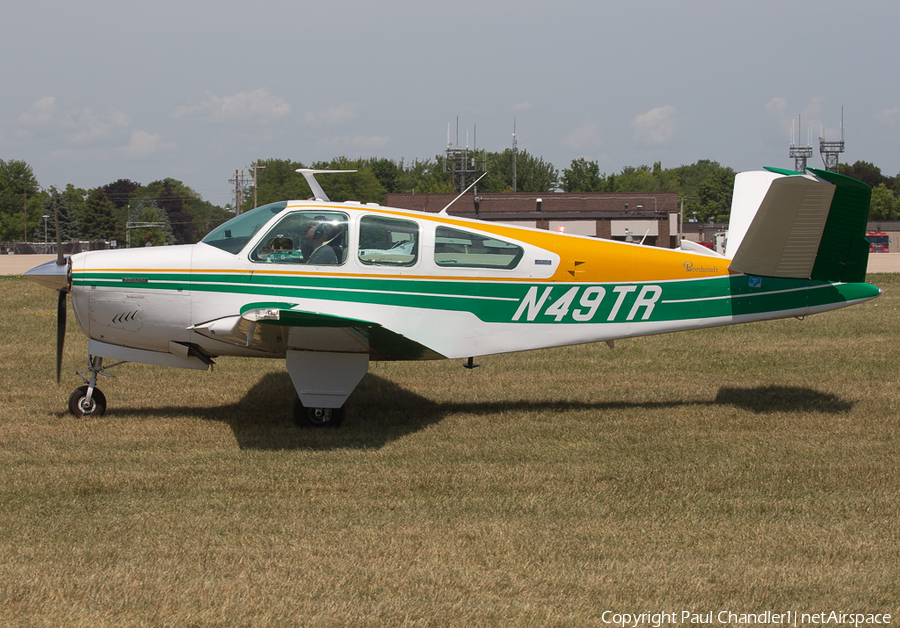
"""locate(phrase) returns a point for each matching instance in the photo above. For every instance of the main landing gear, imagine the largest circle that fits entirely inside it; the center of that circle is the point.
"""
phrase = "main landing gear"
(317, 417)
(89, 400)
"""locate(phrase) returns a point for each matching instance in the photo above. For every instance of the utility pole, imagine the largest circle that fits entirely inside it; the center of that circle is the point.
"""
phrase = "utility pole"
(515, 156)
(240, 181)
(256, 170)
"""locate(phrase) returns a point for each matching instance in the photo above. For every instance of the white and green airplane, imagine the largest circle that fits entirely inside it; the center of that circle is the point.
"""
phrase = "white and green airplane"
(330, 286)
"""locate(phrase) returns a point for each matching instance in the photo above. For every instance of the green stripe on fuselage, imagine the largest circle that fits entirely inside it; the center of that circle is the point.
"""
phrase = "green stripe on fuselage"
(522, 302)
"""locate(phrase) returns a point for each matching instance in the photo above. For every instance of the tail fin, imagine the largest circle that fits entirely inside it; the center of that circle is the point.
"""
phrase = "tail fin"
(844, 251)
(792, 225)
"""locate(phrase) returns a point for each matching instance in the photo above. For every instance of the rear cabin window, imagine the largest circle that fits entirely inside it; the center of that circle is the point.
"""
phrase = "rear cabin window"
(318, 238)
(462, 249)
(388, 241)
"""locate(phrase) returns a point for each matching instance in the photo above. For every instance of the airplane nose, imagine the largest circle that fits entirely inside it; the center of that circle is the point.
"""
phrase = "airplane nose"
(50, 275)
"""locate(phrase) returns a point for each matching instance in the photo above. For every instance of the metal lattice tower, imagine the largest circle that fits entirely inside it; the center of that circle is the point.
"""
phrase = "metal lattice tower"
(461, 162)
(831, 150)
(799, 152)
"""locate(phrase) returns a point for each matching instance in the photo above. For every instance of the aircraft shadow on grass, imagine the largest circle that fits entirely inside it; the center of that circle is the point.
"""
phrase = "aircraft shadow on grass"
(381, 412)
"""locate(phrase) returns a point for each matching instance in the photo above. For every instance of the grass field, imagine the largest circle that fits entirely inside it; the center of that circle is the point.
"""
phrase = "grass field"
(750, 468)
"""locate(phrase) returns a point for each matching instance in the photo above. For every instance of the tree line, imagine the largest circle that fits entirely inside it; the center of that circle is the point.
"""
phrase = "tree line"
(184, 217)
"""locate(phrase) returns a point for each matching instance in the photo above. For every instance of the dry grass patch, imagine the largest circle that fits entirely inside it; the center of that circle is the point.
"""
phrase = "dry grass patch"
(747, 468)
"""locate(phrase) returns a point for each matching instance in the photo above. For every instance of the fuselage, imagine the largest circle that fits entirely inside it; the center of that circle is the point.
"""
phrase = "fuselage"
(441, 286)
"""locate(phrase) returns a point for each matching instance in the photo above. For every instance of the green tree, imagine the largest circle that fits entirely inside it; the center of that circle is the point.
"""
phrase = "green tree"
(362, 185)
(583, 176)
(98, 218)
(868, 173)
(21, 201)
(189, 215)
(387, 172)
(278, 182)
(667, 180)
(633, 179)
(75, 199)
(532, 173)
(883, 205)
(713, 201)
(119, 192)
(60, 210)
(691, 176)
(424, 176)
(147, 210)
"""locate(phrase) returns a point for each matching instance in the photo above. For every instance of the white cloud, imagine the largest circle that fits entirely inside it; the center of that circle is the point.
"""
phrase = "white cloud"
(810, 119)
(89, 128)
(80, 126)
(41, 113)
(524, 106)
(889, 117)
(370, 143)
(143, 144)
(585, 137)
(657, 126)
(254, 108)
(333, 116)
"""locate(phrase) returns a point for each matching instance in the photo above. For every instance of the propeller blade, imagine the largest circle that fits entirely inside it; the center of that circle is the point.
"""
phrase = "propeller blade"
(60, 331)
(60, 260)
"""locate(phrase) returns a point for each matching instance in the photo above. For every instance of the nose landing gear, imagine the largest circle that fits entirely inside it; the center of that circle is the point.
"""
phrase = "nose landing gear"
(89, 400)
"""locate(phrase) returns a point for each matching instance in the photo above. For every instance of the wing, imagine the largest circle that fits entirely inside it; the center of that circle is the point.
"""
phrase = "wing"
(273, 328)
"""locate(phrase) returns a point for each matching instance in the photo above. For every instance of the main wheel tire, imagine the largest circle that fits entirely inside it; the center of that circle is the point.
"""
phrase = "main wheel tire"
(79, 408)
(317, 417)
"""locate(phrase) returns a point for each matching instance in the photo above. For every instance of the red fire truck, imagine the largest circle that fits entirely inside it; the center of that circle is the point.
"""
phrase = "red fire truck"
(879, 242)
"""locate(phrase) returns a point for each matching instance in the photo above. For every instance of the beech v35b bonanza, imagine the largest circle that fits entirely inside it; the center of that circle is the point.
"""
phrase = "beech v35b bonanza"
(329, 286)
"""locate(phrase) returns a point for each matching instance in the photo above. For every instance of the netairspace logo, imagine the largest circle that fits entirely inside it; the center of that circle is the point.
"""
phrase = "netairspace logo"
(730, 618)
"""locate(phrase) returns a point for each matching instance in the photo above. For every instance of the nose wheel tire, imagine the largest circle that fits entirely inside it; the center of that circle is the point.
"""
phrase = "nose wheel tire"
(317, 417)
(80, 406)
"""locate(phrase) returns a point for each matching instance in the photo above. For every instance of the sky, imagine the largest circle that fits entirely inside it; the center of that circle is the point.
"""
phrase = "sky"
(101, 90)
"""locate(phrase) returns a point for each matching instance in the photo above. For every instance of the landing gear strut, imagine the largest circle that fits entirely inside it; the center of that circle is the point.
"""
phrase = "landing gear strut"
(317, 417)
(89, 400)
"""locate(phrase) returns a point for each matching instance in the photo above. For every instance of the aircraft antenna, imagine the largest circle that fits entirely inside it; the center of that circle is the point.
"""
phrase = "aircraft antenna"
(310, 174)
(443, 212)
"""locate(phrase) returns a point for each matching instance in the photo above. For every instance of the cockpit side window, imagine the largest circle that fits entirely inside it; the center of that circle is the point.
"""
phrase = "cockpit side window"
(387, 241)
(313, 237)
(454, 248)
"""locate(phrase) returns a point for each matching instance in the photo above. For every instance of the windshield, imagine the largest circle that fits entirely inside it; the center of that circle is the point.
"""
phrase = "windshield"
(234, 235)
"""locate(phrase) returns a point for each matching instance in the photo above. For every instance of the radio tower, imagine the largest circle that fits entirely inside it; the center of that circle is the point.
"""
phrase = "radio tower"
(800, 152)
(831, 150)
(461, 162)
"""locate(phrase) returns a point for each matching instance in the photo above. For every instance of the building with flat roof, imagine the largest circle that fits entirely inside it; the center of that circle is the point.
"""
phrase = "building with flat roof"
(630, 216)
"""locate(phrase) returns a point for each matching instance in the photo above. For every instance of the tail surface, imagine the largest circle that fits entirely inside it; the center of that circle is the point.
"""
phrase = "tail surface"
(799, 226)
